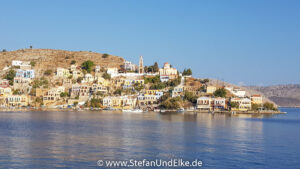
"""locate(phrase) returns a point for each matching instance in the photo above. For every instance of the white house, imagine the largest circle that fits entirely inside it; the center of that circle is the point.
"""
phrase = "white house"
(219, 103)
(244, 104)
(112, 71)
(129, 66)
(16, 63)
(167, 70)
(204, 103)
(236, 91)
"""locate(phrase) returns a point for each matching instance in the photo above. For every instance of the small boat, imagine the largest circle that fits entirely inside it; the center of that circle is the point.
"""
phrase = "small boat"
(181, 110)
(132, 110)
(110, 109)
(162, 110)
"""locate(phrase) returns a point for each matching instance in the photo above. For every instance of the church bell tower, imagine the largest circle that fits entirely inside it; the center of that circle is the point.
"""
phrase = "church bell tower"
(141, 65)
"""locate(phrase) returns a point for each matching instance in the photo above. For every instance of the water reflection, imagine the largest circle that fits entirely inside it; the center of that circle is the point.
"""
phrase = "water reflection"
(66, 139)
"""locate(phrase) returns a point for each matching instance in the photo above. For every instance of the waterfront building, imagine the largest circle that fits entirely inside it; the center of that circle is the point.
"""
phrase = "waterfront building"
(257, 99)
(17, 100)
(244, 104)
(53, 95)
(120, 102)
(149, 99)
(219, 103)
(204, 103)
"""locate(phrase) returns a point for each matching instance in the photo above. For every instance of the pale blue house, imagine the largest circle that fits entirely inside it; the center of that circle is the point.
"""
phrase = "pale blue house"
(25, 73)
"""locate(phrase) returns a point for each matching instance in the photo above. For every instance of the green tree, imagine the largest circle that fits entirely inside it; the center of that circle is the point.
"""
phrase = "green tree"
(171, 103)
(187, 72)
(99, 93)
(79, 79)
(255, 106)
(138, 87)
(269, 106)
(155, 79)
(64, 94)
(106, 76)
(16, 92)
(201, 89)
(10, 75)
(158, 86)
(220, 92)
(48, 72)
(155, 67)
(95, 102)
(190, 97)
(73, 62)
(32, 63)
(87, 65)
(118, 92)
(105, 55)
(30, 47)
(234, 104)
(204, 81)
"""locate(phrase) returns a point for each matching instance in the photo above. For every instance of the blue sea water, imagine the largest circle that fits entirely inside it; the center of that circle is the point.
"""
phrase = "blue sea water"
(80, 139)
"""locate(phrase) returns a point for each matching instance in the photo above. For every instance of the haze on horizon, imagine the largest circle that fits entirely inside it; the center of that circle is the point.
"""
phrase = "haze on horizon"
(242, 42)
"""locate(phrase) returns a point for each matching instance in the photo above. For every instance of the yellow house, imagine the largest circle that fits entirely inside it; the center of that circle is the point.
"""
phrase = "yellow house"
(5, 91)
(167, 70)
(118, 81)
(120, 102)
(17, 100)
(131, 82)
(102, 81)
(62, 72)
(211, 89)
(151, 92)
(244, 104)
(256, 99)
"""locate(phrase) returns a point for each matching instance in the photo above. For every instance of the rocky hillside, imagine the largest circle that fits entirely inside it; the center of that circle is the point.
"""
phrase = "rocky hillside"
(282, 95)
(51, 59)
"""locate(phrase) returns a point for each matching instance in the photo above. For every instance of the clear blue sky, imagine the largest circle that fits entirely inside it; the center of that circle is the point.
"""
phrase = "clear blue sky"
(242, 41)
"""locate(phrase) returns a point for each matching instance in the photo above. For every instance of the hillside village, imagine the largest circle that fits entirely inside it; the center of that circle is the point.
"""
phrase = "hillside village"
(85, 83)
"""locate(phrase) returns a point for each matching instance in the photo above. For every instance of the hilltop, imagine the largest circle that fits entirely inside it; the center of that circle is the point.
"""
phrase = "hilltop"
(52, 58)
(283, 95)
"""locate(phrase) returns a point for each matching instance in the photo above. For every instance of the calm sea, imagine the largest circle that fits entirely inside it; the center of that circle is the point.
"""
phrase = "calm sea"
(80, 139)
